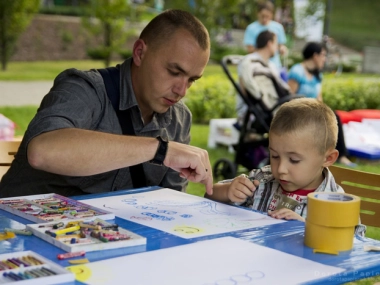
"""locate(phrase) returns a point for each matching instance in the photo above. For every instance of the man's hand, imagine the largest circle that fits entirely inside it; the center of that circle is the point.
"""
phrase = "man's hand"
(286, 214)
(191, 162)
(283, 50)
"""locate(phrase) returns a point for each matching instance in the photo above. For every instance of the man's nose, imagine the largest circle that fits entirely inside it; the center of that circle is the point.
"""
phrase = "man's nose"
(181, 87)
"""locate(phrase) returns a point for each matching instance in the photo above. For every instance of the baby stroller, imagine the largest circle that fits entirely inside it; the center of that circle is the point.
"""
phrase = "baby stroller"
(251, 150)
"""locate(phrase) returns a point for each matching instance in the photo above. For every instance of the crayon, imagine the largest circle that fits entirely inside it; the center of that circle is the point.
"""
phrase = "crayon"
(70, 255)
(59, 225)
(89, 226)
(19, 232)
(66, 230)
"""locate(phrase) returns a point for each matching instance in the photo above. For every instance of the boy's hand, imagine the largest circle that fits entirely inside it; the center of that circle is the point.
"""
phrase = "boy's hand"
(286, 214)
(241, 188)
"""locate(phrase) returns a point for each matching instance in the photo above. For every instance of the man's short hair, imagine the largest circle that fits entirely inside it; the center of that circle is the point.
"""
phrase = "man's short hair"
(162, 27)
(263, 38)
(307, 114)
(265, 5)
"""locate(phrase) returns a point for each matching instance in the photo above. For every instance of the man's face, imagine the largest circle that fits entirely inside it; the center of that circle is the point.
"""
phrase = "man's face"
(264, 17)
(273, 46)
(165, 73)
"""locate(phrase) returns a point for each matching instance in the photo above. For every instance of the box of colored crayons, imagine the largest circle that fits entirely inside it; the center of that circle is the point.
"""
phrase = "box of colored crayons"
(30, 268)
(52, 207)
(84, 235)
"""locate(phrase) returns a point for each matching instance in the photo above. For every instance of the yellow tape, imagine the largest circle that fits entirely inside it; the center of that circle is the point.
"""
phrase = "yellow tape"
(331, 220)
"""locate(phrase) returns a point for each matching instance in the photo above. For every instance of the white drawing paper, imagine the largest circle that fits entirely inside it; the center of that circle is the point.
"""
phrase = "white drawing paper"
(221, 261)
(181, 214)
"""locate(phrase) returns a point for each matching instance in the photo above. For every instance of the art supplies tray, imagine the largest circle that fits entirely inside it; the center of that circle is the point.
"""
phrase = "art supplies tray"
(87, 238)
(52, 207)
(35, 269)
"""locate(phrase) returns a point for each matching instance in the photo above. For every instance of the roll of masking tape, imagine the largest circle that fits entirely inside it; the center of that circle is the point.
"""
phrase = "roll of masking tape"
(331, 220)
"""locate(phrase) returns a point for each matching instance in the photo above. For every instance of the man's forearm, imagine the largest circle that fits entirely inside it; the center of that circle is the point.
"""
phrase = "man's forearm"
(76, 152)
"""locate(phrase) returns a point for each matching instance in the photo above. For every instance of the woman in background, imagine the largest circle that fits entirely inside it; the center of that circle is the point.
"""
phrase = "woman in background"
(305, 79)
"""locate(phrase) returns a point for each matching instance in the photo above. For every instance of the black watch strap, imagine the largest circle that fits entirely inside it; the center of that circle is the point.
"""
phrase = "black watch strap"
(161, 151)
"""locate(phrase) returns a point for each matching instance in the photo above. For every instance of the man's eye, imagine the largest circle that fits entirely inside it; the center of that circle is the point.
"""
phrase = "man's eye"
(174, 73)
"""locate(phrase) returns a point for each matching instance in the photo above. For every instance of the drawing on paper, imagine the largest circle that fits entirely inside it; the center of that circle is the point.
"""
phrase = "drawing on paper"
(181, 214)
(243, 279)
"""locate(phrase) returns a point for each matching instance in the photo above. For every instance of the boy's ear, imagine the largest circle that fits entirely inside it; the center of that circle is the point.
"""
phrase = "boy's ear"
(330, 157)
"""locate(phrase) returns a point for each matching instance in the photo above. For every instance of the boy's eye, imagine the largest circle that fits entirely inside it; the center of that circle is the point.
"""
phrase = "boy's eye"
(294, 161)
(274, 156)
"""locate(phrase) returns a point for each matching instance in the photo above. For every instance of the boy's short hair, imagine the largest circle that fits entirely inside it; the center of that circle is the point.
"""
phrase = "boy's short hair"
(311, 114)
(162, 27)
(263, 38)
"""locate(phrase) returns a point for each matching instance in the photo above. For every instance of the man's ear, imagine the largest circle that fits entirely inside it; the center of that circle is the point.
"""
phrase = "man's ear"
(139, 48)
(330, 157)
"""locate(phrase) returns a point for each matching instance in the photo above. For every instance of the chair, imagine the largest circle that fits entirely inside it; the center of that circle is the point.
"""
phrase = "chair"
(8, 150)
(365, 185)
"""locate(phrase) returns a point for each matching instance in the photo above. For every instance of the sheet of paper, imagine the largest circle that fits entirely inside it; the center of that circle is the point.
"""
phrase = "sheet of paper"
(222, 261)
(181, 214)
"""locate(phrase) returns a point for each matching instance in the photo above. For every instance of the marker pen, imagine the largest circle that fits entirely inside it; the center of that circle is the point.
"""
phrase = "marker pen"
(70, 254)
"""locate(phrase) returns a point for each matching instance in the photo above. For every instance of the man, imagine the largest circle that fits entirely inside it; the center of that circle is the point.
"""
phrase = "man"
(256, 72)
(265, 12)
(74, 145)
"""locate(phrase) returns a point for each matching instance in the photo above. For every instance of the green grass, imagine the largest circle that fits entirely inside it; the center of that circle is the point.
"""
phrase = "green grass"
(48, 70)
(355, 25)
(44, 70)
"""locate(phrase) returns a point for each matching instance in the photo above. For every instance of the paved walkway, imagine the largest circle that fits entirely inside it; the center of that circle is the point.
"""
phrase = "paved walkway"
(18, 93)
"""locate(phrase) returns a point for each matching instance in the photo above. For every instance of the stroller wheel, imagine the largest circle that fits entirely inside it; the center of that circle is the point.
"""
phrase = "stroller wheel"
(224, 168)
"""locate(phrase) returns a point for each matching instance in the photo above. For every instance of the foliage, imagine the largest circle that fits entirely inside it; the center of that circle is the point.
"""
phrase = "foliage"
(211, 98)
(351, 94)
(218, 51)
(212, 13)
(15, 16)
(107, 18)
(99, 53)
(64, 10)
(125, 53)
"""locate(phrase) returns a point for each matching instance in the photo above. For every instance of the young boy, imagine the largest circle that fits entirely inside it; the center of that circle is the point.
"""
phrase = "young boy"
(302, 140)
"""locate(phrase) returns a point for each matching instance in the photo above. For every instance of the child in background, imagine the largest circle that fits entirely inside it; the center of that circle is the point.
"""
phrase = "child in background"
(302, 140)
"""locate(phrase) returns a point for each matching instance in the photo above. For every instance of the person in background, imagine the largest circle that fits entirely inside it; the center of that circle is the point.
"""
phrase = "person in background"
(302, 139)
(75, 145)
(305, 79)
(259, 63)
(264, 22)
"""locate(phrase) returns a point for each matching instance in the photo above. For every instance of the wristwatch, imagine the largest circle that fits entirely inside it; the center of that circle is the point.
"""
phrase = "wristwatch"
(162, 149)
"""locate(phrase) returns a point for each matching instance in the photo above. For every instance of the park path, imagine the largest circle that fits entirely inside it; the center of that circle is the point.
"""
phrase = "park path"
(19, 93)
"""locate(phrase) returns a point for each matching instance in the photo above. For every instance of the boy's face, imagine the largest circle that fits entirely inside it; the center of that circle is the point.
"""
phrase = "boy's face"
(295, 160)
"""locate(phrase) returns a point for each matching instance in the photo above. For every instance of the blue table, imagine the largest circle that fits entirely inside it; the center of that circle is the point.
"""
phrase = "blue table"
(286, 237)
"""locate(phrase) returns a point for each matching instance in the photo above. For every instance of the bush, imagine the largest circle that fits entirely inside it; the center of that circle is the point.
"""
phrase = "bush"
(218, 51)
(351, 94)
(125, 53)
(65, 10)
(214, 96)
(211, 98)
(98, 53)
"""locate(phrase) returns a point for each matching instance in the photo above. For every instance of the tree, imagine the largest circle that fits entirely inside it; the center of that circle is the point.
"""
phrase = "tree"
(108, 18)
(15, 16)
